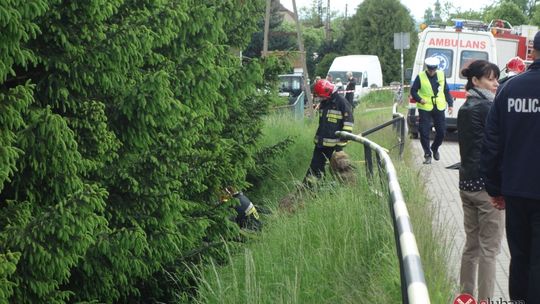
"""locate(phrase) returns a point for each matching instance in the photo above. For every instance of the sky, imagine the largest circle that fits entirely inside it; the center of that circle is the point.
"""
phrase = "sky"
(417, 7)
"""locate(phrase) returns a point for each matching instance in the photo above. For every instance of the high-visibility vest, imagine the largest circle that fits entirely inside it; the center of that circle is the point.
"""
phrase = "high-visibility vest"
(426, 92)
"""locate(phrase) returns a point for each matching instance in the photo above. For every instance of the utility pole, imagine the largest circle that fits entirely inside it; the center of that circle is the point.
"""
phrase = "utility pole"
(328, 38)
(266, 28)
(307, 88)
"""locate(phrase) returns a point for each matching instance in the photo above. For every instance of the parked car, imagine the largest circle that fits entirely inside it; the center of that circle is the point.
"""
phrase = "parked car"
(291, 86)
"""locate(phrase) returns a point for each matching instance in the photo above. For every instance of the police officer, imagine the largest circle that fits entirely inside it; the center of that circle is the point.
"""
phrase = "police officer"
(335, 114)
(511, 164)
(431, 93)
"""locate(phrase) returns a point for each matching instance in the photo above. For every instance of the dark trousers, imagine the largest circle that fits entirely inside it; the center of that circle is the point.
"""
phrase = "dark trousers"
(350, 97)
(424, 128)
(523, 234)
(318, 161)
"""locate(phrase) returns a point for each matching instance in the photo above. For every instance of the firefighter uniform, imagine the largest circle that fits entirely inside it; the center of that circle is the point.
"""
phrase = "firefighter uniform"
(247, 216)
(335, 114)
(510, 161)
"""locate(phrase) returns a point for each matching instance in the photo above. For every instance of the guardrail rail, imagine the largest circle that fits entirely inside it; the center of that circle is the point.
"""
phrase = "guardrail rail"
(413, 284)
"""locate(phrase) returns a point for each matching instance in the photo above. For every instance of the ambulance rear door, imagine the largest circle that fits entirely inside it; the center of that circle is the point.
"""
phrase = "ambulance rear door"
(456, 50)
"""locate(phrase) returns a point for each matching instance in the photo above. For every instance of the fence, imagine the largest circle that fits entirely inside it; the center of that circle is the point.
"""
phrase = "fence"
(413, 283)
(296, 108)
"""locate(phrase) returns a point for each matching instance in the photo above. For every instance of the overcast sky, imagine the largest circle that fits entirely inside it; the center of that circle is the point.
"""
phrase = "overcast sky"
(417, 7)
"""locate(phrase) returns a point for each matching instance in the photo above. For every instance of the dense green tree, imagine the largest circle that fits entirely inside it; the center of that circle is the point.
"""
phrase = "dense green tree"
(314, 15)
(535, 19)
(437, 12)
(372, 35)
(120, 121)
(280, 38)
(527, 7)
(428, 16)
(324, 64)
(468, 15)
(508, 11)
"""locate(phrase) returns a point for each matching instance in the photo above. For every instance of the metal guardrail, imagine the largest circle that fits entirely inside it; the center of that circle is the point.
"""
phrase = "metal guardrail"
(413, 283)
(398, 122)
(297, 108)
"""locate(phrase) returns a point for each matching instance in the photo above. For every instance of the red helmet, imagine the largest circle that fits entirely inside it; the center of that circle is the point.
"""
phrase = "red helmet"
(515, 65)
(323, 88)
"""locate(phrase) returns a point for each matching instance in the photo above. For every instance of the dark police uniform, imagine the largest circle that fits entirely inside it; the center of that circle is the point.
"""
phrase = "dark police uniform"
(335, 114)
(511, 164)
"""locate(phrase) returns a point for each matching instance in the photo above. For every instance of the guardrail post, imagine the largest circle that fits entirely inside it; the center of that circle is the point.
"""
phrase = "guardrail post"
(369, 161)
(299, 106)
(402, 132)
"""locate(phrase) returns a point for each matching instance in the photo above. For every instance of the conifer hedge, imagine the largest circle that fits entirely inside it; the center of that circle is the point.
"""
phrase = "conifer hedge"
(120, 120)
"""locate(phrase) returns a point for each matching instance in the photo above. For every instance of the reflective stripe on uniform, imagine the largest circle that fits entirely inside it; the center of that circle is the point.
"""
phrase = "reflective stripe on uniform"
(328, 142)
(252, 211)
(426, 92)
(336, 112)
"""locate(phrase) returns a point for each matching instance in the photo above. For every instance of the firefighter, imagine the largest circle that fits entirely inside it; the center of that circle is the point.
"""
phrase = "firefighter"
(247, 216)
(335, 114)
(431, 93)
(514, 66)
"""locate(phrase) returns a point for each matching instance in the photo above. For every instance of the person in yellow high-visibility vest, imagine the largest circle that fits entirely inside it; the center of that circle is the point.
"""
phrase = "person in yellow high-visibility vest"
(431, 93)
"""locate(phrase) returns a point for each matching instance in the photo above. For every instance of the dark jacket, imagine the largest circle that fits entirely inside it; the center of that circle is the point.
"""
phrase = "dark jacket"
(434, 86)
(471, 121)
(335, 114)
(351, 87)
(511, 152)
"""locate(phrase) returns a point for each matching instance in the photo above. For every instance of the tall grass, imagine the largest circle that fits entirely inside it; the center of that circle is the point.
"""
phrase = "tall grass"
(338, 248)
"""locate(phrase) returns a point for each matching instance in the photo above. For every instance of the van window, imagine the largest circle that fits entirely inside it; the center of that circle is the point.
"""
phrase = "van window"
(291, 84)
(365, 82)
(469, 56)
(446, 57)
(343, 76)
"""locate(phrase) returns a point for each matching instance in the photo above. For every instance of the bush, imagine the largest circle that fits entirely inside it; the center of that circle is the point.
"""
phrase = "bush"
(120, 121)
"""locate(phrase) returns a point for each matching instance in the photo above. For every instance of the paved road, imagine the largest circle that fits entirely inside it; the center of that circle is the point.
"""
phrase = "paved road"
(445, 198)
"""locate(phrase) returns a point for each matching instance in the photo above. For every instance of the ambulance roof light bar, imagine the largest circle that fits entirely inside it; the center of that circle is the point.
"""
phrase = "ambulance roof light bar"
(475, 25)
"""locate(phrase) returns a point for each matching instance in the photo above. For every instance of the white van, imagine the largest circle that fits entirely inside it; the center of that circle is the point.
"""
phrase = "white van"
(366, 70)
(455, 47)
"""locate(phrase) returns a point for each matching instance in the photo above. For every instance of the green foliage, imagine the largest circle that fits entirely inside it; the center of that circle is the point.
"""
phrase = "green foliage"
(527, 7)
(289, 261)
(508, 11)
(119, 122)
(468, 15)
(535, 19)
(324, 64)
(8, 265)
(373, 35)
(279, 38)
(265, 158)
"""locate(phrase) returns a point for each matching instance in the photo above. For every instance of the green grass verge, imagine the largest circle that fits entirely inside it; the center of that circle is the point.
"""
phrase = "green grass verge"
(338, 248)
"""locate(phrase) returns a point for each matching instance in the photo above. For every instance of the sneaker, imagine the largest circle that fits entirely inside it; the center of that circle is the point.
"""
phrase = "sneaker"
(436, 155)
(427, 159)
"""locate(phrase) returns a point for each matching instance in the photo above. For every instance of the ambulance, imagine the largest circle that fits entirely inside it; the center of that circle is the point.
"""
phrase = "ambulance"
(456, 47)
